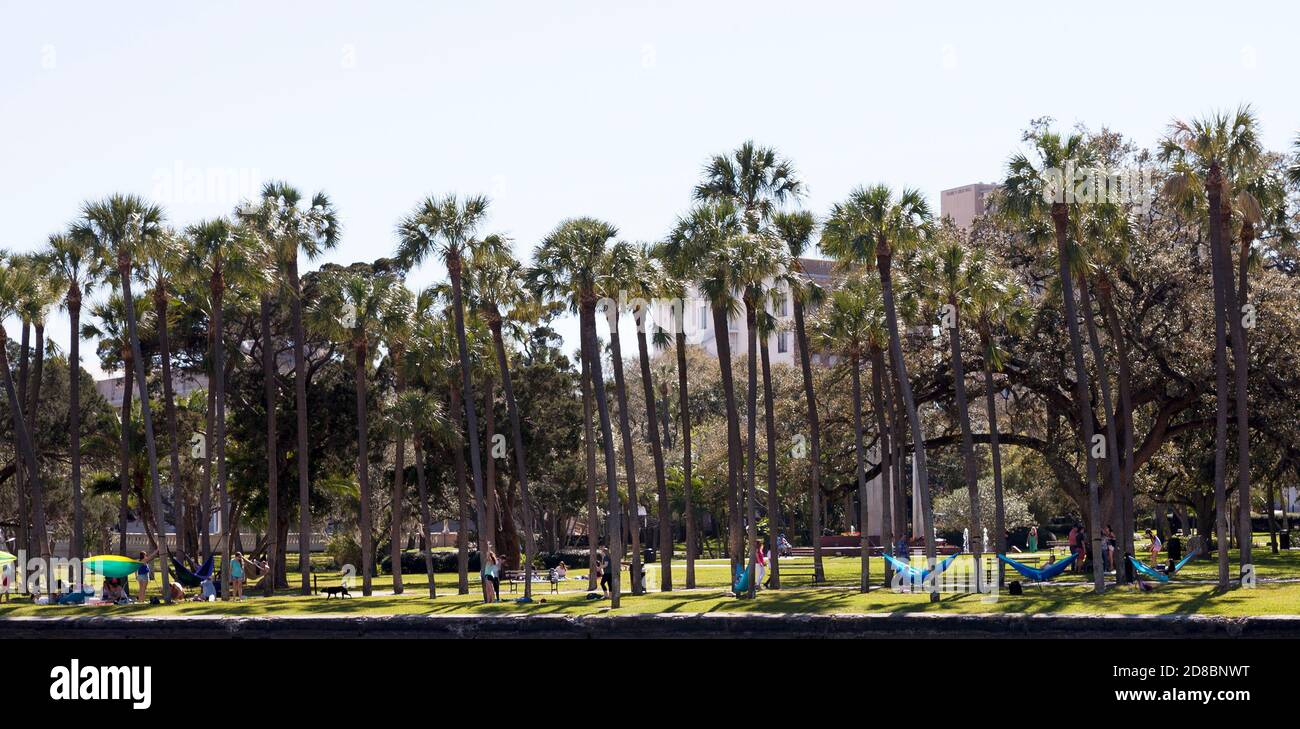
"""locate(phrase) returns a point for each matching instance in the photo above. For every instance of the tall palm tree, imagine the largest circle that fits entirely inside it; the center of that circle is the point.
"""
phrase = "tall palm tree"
(497, 282)
(675, 274)
(1216, 155)
(645, 285)
(944, 269)
(354, 309)
(568, 262)
(767, 328)
(72, 260)
(16, 286)
(763, 258)
(219, 254)
(796, 229)
(618, 268)
(293, 228)
(873, 226)
(34, 309)
(397, 338)
(851, 323)
(160, 262)
(445, 227)
(996, 301)
(710, 235)
(122, 224)
(1032, 195)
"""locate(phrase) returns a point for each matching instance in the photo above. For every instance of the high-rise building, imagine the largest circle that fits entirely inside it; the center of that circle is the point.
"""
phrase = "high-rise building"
(964, 204)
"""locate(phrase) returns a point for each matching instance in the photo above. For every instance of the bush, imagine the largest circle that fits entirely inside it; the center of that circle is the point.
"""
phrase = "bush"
(343, 548)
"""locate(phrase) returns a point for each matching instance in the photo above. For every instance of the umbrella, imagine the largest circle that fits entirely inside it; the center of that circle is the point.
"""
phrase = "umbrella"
(111, 565)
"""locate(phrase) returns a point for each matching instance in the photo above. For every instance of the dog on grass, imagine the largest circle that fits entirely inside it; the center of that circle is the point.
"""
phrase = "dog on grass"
(340, 592)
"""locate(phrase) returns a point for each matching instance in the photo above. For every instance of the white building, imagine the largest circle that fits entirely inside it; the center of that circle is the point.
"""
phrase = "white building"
(964, 204)
(112, 388)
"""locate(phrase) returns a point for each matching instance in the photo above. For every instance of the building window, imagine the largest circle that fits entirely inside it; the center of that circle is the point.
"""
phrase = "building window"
(782, 342)
(783, 307)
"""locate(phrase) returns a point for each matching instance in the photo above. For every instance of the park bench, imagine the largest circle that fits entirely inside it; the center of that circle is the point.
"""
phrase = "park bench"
(517, 577)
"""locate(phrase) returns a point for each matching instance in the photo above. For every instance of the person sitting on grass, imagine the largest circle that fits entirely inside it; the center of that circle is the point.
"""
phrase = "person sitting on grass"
(115, 592)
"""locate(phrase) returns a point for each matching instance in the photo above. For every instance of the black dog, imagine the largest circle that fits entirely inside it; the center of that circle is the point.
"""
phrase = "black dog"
(340, 592)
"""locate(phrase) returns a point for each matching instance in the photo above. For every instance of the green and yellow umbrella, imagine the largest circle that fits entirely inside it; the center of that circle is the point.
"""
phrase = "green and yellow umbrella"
(6, 557)
(111, 565)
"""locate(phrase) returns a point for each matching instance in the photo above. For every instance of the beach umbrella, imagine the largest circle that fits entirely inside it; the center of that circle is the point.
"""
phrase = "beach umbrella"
(111, 565)
(6, 557)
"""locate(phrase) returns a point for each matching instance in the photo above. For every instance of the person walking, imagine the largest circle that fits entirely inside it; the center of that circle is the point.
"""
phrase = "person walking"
(1033, 539)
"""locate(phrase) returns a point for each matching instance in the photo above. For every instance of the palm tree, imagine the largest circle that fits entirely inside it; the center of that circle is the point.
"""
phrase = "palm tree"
(796, 229)
(851, 323)
(762, 258)
(1216, 155)
(767, 327)
(618, 269)
(160, 262)
(497, 281)
(675, 273)
(445, 227)
(355, 307)
(72, 261)
(710, 236)
(944, 269)
(122, 224)
(995, 302)
(34, 309)
(292, 230)
(873, 226)
(16, 286)
(568, 262)
(397, 337)
(1032, 195)
(642, 289)
(217, 254)
(755, 180)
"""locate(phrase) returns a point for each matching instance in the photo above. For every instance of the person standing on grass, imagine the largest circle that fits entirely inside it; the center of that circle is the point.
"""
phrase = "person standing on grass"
(1155, 547)
(606, 571)
(760, 563)
(1033, 539)
(143, 574)
(491, 585)
(237, 576)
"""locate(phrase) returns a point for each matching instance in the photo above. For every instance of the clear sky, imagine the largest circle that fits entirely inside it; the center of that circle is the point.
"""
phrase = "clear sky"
(583, 108)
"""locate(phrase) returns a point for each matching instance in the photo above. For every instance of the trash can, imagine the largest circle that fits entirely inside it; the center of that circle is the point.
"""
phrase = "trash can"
(1284, 540)
(649, 555)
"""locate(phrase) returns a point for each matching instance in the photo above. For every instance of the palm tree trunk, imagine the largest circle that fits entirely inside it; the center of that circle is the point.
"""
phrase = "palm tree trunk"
(814, 436)
(657, 454)
(886, 458)
(591, 349)
(363, 466)
(20, 471)
(28, 454)
(684, 405)
(124, 478)
(151, 446)
(169, 412)
(471, 417)
(774, 521)
(462, 492)
(74, 419)
(272, 438)
(1103, 377)
(399, 482)
(219, 423)
(751, 441)
(426, 521)
(1235, 301)
(629, 456)
(969, 470)
(883, 264)
(589, 446)
(302, 456)
(995, 453)
(855, 367)
(205, 493)
(1214, 191)
(1061, 219)
(723, 342)
(521, 466)
(39, 527)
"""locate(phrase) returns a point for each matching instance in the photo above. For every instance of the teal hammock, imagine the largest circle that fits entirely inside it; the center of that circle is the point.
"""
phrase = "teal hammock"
(914, 575)
(1040, 575)
(1156, 574)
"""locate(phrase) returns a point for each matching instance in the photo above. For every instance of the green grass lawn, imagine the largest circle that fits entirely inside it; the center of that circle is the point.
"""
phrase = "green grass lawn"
(1182, 596)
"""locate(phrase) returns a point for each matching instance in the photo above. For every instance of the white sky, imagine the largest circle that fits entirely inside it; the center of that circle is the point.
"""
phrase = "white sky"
(583, 108)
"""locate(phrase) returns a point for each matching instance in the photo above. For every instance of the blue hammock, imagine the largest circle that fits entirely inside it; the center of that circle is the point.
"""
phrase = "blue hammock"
(914, 575)
(1156, 574)
(1040, 575)
(194, 578)
(742, 579)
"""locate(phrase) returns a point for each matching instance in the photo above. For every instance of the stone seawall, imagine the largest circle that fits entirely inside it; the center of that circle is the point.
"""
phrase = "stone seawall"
(712, 625)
